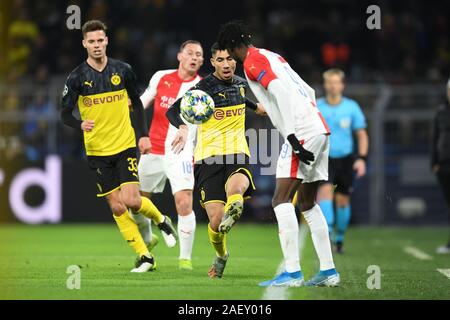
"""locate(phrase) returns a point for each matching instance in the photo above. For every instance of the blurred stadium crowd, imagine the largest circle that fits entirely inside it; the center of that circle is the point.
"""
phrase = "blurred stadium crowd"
(412, 46)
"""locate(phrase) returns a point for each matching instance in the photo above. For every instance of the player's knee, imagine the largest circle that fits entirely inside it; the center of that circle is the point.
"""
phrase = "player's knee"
(325, 192)
(133, 201)
(118, 208)
(215, 223)
(215, 217)
(306, 205)
(146, 194)
(342, 201)
(279, 199)
(183, 205)
(236, 189)
(183, 202)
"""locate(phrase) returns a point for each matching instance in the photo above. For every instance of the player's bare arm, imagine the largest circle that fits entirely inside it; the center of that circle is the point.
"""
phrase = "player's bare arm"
(363, 148)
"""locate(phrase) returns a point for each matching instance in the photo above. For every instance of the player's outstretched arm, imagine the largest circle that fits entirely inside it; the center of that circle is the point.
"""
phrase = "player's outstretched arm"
(257, 107)
(174, 114)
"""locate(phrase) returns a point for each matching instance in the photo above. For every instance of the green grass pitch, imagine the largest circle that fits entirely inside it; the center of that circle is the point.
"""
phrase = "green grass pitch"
(34, 260)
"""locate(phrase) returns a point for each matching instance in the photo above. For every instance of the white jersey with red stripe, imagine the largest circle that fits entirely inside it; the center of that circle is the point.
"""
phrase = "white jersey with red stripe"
(263, 66)
(164, 89)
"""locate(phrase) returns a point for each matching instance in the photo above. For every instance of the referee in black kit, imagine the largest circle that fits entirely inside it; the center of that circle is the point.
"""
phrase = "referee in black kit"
(440, 155)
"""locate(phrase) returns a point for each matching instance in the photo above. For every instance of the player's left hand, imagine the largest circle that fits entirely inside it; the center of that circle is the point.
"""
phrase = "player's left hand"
(360, 167)
(144, 145)
(260, 111)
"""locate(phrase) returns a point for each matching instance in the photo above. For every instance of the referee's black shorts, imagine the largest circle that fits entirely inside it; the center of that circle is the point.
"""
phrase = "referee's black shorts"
(340, 174)
(212, 175)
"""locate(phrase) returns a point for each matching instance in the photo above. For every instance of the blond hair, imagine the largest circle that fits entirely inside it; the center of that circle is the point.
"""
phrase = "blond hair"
(334, 71)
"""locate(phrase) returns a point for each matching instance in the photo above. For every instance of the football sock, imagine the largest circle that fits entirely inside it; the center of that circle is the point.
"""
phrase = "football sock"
(149, 210)
(218, 241)
(320, 237)
(288, 233)
(144, 225)
(186, 232)
(295, 199)
(130, 232)
(342, 221)
(233, 198)
(328, 212)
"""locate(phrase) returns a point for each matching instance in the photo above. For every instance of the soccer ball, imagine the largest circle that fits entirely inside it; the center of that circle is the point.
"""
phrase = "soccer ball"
(197, 106)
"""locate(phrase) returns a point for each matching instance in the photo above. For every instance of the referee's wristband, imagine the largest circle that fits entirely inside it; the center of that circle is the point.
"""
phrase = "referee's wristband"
(362, 158)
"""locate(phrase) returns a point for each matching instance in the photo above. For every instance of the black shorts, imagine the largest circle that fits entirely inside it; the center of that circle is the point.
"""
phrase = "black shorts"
(114, 171)
(340, 174)
(212, 175)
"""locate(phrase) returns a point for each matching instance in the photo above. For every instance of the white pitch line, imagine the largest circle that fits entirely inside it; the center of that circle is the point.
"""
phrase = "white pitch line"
(282, 293)
(445, 272)
(417, 253)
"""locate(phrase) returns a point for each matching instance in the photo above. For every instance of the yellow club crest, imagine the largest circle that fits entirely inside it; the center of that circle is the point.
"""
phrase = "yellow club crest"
(115, 79)
(242, 90)
(202, 192)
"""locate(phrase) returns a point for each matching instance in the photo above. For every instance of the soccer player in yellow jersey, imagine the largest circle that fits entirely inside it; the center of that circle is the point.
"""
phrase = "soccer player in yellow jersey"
(222, 169)
(100, 88)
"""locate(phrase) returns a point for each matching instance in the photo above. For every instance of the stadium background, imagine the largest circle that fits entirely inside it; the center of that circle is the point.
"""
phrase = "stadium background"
(398, 75)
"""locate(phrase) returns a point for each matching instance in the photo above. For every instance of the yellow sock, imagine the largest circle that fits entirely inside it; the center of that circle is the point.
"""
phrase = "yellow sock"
(233, 198)
(295, 199)
(218, 241)
(149, 210)
(130, 232)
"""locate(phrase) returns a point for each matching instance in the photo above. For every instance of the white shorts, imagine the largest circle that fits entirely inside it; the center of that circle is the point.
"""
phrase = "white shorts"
(289, 166)
(154, 170)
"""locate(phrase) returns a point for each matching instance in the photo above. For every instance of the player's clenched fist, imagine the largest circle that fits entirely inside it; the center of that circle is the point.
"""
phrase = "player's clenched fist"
(87, 125)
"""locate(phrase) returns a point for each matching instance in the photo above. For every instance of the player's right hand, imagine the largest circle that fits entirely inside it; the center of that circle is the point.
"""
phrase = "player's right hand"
(180, 139)
(302, 154)
(260, 111)
(144, 145)
(87, 125)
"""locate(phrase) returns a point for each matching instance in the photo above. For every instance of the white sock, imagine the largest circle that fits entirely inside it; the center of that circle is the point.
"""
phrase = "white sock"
(320, 236)
(186, 232)
(288, 232)
(144, 225)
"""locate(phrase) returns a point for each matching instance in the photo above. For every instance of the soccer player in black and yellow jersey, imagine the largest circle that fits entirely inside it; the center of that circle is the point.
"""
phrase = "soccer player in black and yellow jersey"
(222, 170)
(100, 88)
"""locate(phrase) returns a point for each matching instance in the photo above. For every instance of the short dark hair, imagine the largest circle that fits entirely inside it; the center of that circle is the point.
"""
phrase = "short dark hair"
(93, 25)
(184, 44)
(214, 48)
(233, 35)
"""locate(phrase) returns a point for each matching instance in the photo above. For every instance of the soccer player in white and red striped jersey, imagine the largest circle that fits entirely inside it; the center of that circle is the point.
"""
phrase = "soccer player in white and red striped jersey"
(303, 162)
(161, 163)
